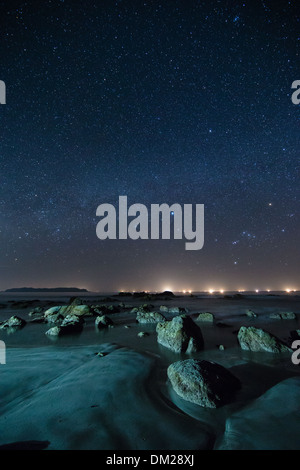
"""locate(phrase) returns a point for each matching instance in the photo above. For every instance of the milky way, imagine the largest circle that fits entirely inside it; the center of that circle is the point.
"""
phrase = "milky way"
(164, 102)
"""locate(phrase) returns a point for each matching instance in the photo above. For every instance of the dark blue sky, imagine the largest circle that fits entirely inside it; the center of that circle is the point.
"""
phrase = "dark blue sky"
(174, 101)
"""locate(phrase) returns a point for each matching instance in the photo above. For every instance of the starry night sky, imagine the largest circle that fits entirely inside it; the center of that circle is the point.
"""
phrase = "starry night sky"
(170, 101)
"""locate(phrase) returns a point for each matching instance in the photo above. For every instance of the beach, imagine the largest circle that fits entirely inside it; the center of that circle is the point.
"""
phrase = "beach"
(108, 388)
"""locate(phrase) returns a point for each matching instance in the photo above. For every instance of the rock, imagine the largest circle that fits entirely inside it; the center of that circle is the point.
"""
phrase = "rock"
(72, 309)
(149, 317)
(54, 331)
(181, 334)
(165, 309)
(256, 339)
(54, 318)
(270, 422)
(221, 347)
(52, 310)
(37, 319)
(78, 310)
(251, 314)
(275, 316)
(206, 317)
(70, 324)
(35, 311)
(283, 316)
(141, 334)
(103, 322)
(101, 354)
(288, 316)
(204, 383)
(13, 322)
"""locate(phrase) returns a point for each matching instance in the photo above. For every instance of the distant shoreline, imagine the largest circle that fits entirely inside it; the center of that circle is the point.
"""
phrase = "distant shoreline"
(46, 289)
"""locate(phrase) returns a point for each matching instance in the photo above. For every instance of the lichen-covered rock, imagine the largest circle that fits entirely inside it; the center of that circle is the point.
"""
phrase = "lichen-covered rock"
(79, 310)
(149, 317)
(204, 383)
(206, 317)
(72, 309)
(283, 316)
(103, 321)
(181, 334)
(13, 322)
(256, 339)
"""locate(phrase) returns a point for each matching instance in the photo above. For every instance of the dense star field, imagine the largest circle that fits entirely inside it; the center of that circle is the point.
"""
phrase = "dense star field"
(162, 102)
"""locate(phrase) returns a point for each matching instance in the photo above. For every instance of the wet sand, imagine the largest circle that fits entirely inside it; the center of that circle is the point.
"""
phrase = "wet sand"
(57, 394)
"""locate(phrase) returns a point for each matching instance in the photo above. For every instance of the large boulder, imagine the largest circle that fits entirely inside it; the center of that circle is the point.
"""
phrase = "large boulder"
(256, 339)
(13, 322)
(72, 309)
(149, 317)
(78, 310)
(204, 383)
(181, 334)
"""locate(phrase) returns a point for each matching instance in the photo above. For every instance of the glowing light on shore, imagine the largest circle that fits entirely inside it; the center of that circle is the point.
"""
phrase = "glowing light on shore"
(221, 291)
(211, 291)
(257, 291)
(288, 290)
(190, 291)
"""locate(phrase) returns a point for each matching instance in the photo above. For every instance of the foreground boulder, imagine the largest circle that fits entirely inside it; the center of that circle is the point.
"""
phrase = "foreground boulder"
(206, 317)
(149, 317)
(103, 321)
(258, 340)
(204, 383)
(181, 334)
(13, 322)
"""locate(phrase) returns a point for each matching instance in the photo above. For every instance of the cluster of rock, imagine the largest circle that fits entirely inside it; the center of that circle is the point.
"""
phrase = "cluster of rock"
(283, 316)
(180, 334)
